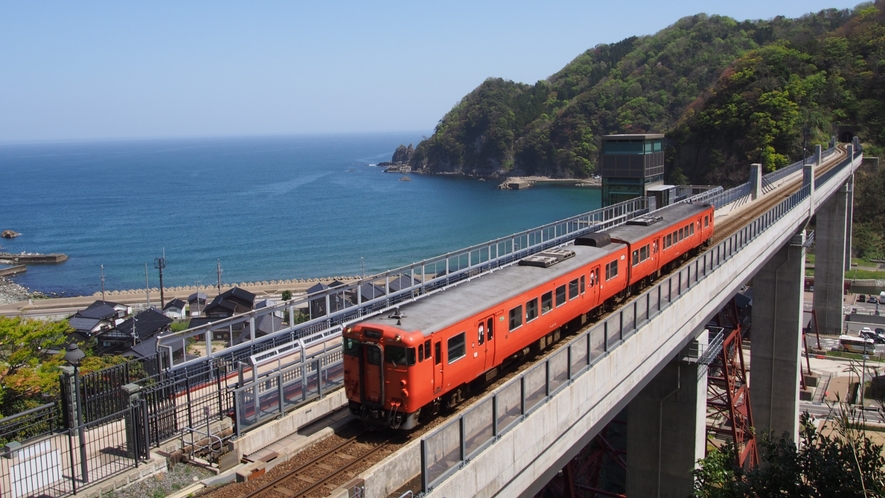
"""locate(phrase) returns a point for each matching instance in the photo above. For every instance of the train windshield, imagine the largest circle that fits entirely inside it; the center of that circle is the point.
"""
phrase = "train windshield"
(399, 356)
(352, 346)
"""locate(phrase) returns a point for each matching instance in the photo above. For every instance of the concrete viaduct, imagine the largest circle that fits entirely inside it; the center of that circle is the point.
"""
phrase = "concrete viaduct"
(666, 397)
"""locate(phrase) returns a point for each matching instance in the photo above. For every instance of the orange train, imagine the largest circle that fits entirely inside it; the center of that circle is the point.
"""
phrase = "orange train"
(429, 352)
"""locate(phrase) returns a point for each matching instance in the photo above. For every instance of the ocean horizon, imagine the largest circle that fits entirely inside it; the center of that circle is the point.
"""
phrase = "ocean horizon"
(267, 208)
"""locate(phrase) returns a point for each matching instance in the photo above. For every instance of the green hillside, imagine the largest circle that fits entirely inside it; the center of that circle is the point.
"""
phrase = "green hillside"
(726, 93)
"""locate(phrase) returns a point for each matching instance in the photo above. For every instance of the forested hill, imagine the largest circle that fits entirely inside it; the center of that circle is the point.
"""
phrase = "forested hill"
(727, 93)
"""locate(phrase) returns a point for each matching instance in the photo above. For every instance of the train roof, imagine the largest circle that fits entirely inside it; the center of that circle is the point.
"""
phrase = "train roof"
(467, 299)
(662, 218)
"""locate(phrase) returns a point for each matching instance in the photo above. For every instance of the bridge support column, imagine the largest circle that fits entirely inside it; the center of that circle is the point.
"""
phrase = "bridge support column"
(776, 340)
(831, 241)
(755, 180)
(666, 430)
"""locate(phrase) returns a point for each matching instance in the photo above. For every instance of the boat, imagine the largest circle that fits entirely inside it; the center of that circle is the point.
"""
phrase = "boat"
(405, 179)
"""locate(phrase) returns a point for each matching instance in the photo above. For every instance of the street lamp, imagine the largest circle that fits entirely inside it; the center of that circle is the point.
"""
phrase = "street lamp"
(74, 355)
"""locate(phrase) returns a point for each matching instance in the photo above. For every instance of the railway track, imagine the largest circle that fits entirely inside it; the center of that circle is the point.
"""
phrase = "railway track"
(334, 461)
(729, 224)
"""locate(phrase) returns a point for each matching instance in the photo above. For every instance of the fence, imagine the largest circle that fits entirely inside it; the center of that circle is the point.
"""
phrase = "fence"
(449, 448)
(61, 463)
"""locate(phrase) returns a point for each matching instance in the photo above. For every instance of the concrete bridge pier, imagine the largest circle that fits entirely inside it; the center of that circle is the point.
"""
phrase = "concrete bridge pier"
(832, 243)
(776, 340)
(666, 425)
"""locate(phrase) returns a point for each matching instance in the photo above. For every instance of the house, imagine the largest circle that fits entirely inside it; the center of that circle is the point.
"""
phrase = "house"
(197, 303)
(264, 324)
(175, 309)
(337, 300)
(96, 319)
(132, 331)
(366, 291)
(227, 304)
(402, 281)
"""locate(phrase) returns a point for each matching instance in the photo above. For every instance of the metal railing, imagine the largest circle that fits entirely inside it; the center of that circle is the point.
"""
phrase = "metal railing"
(450, 447)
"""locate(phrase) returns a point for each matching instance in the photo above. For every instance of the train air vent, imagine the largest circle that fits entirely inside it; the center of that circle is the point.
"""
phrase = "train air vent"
(645, 220)
(547, 258)
(599, 239)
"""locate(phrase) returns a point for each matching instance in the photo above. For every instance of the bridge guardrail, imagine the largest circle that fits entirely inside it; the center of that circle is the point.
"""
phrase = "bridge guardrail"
(448, 448)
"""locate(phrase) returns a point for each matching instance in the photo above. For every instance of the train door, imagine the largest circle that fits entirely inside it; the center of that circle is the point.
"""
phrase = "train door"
(593, 287)
(485, 331)
(373, 375)
(437, 367)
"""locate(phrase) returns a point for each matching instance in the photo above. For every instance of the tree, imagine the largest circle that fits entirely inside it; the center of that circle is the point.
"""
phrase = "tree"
(27, 374)
(843, 462)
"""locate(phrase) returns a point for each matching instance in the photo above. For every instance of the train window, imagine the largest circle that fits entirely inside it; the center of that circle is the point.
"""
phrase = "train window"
(399, 356)
(437, 350)
(691, 229)
(457, 347)
(516, 318)
(427, 349)
(531, 310)
(706, 221)
(635, 258)
(490, 325)
(373, 355)
(352, 346)
(643, 253)
(582, 284)
(573, 289)
(481, 333)
(675, 236)
(669, 241)
(420, 353)
(560, 295)
(611, 270)
(546, 302)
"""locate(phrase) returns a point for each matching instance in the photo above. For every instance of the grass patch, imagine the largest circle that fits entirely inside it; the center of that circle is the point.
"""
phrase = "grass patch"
(853, 356)
(865, 274)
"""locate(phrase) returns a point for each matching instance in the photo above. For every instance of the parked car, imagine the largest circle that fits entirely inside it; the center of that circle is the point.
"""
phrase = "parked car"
(880, 331)
(861, 298)
(868, 333)
(872, 300)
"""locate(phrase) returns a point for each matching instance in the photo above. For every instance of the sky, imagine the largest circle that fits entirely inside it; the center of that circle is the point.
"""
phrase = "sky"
(119, 70)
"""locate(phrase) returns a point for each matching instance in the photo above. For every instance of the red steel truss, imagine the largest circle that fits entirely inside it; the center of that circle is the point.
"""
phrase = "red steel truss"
(728, 396)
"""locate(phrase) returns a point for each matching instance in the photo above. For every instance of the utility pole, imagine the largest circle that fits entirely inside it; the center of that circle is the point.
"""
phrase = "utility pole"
(160, 263)
(147, 290)
(218, 269)
(102, 282)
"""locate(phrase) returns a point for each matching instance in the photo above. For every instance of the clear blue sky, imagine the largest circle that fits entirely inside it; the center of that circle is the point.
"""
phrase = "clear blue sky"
(86, 70)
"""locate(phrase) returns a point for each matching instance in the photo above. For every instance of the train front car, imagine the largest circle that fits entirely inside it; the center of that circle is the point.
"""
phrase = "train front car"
(381, 365)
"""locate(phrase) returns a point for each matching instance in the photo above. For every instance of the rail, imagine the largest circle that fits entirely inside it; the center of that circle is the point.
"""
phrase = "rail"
(449, 447)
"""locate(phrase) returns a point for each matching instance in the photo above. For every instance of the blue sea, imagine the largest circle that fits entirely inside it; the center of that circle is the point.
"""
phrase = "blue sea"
(267, 208)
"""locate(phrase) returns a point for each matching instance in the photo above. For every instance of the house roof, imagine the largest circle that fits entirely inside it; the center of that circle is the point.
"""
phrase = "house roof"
(235, 300)
(175, 303)
(197, 295)
(147, 324)
(148, 348)
(98, 309)
(367, 291)
(402, 282)
(83, 324)
(317, 288)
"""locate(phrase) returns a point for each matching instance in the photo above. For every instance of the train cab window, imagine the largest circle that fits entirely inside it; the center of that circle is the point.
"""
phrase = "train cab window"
(516, 318)
(560, 295)
(420, 353)
(635, 258)
(706, 221)
(594, 276)
(490, 327)
(546, 302)
(427, 349)
(573, 289)
(437, 351)
(481, 333)
(457, 347)
(582, 284)
(399, 356)
(611, 270)
(352, 346)
(531, 310)
(373, 355)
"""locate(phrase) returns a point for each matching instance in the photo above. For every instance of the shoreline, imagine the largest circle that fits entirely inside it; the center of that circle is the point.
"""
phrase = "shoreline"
(17, 300)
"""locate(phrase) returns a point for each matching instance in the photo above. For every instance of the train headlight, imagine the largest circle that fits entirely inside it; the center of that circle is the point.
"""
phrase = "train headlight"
(399, 338)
